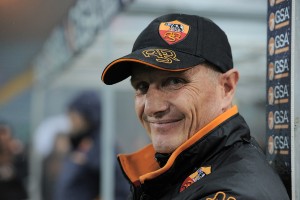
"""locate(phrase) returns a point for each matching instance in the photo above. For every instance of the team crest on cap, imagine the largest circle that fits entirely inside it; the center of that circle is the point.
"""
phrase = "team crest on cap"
(173, 32)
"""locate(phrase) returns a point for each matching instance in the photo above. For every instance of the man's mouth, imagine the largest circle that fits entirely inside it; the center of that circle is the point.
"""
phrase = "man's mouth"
(164, 125)
(165, 121)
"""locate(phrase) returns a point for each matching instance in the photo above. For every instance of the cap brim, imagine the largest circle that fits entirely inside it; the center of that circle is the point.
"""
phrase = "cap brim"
(163, 59)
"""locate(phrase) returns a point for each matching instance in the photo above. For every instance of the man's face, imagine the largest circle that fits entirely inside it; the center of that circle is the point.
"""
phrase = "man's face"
(173, 106)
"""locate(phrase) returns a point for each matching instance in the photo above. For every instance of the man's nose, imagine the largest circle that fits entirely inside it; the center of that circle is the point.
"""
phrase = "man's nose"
(156, 104)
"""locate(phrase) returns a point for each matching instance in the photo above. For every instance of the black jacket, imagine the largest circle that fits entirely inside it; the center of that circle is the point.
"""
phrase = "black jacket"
(221, 161)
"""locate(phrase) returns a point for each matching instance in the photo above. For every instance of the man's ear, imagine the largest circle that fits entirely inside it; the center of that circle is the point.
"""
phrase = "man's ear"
(229, 82)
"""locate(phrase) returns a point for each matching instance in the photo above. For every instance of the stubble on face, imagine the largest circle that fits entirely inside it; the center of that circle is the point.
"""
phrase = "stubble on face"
(175, 105)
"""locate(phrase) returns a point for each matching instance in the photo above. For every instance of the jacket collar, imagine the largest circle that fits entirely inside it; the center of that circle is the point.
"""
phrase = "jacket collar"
(141, 166)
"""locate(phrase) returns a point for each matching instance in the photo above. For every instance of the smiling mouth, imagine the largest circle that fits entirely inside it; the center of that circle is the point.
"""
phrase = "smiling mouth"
(164, 126)
(169, 121)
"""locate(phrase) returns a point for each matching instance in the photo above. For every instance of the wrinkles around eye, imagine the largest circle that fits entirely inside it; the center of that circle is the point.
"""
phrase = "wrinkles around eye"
(174, 83)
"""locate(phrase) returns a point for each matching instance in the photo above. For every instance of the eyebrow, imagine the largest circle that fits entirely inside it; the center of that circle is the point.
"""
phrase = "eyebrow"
(183, 74)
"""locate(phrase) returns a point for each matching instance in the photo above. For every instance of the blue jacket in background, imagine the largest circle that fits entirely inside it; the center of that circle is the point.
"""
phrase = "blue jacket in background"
(80, 175)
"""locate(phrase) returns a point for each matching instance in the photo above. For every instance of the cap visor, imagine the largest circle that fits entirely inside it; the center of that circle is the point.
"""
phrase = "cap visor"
(163, 59)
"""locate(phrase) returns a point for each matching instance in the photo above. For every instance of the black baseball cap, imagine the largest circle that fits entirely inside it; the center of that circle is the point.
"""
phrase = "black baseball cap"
(174, 42)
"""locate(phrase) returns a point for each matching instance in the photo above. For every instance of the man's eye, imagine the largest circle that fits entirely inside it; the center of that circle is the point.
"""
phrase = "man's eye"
(174, 82)
(142, 87)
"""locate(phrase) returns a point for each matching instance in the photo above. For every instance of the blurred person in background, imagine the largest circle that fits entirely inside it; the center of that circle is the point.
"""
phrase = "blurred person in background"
(13, 166)
(47, 131)
(51, 145)
(80, 176)
(52, 165)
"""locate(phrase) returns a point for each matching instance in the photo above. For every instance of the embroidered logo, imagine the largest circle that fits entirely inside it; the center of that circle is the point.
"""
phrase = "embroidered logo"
(221, 196)
(162, 55)
(194, 177)
(173, 32)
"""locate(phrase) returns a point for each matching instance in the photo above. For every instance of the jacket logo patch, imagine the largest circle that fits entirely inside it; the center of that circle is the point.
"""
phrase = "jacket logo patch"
(194, 177)
(173, 32)
(221, 196)
(161, 55)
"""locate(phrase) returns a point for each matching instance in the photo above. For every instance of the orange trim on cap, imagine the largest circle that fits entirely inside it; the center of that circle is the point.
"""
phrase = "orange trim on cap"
(142, 164)
(141, 62)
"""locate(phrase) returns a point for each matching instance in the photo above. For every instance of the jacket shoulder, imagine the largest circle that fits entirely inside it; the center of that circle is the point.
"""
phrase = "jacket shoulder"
(240, 172)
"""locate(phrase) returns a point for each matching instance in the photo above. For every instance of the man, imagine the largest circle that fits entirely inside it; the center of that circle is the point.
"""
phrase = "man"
(13, 165)
(80, 175)
(182, 71)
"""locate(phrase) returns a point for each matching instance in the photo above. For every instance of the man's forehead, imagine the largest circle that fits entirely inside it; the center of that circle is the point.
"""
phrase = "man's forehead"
(140, 71)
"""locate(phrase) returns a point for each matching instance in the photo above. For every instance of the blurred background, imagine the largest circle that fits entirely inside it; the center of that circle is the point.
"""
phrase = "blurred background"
(51, 52)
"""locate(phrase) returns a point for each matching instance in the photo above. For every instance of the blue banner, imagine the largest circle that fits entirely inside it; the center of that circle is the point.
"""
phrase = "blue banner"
(278, 92)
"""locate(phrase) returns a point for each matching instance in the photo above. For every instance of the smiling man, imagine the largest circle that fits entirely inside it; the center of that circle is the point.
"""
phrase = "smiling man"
(168, 103)
(182, 71)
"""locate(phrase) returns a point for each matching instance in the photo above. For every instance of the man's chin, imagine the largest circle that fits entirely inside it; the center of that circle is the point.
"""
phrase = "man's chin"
(169, 141)
(165, 147)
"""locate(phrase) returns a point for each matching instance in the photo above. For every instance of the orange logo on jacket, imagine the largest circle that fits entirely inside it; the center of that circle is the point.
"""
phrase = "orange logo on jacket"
(221, 196)
(173, 32)
(194, 177)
